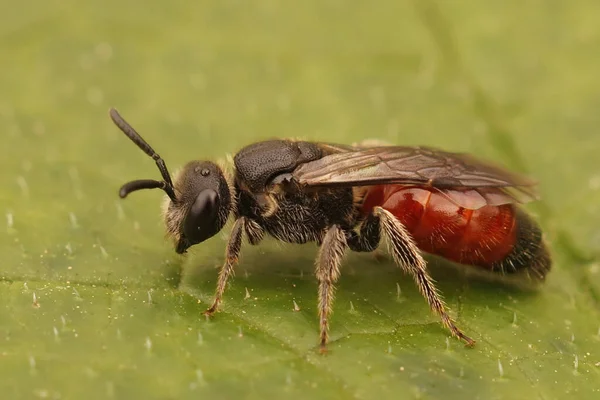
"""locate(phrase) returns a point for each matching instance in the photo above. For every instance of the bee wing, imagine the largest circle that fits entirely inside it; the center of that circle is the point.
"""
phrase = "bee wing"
(465, 180)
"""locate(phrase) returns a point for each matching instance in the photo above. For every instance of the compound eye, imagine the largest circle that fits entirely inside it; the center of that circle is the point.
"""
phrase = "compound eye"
(201, 221)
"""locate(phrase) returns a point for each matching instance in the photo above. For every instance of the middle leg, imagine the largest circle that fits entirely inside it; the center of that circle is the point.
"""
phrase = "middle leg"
(328, 265)
(254, 233)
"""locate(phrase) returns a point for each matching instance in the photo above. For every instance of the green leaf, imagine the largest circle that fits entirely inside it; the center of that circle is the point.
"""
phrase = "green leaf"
(94, 302)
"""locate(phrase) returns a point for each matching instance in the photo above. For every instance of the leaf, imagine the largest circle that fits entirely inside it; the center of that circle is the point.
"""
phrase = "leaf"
(94, 302)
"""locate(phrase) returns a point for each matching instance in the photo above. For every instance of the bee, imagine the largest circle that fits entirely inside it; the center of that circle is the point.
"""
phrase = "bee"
(352, 197)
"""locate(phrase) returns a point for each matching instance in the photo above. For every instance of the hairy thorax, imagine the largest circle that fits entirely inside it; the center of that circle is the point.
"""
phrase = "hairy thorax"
(299, 217)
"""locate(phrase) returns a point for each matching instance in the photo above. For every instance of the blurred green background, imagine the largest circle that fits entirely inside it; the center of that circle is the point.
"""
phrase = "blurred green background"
(93, 301)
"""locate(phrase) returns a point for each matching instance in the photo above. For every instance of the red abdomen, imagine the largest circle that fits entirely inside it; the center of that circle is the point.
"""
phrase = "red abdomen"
(481, 237)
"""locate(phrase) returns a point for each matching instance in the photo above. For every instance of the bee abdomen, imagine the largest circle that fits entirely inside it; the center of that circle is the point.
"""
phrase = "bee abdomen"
(529, 252)
(499, 238)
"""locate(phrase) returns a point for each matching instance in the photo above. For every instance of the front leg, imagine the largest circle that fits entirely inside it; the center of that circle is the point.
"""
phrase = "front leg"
(328, 265)
(232, 253)
(254, 232)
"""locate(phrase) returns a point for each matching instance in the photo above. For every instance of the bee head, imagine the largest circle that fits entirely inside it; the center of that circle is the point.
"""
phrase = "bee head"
(197, 204)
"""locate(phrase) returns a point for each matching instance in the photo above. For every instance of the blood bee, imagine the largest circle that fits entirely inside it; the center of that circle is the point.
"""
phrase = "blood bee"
(344, 198)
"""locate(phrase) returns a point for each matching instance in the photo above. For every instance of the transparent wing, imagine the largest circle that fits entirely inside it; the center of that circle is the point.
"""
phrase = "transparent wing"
(461, 177)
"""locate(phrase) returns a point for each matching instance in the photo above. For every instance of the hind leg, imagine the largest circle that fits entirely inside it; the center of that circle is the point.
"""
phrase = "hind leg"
(405, 253)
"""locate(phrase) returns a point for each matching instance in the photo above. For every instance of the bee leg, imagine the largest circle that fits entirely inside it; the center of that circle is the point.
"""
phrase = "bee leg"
(254, 232)
(328, 265)
(407, 256)
(232, 254)
(369, 237)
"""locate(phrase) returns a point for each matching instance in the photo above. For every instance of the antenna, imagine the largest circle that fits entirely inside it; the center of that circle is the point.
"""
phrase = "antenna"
(166, 185)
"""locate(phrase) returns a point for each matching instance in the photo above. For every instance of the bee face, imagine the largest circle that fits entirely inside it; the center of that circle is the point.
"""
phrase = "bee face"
(197, 204)
(202, 204)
